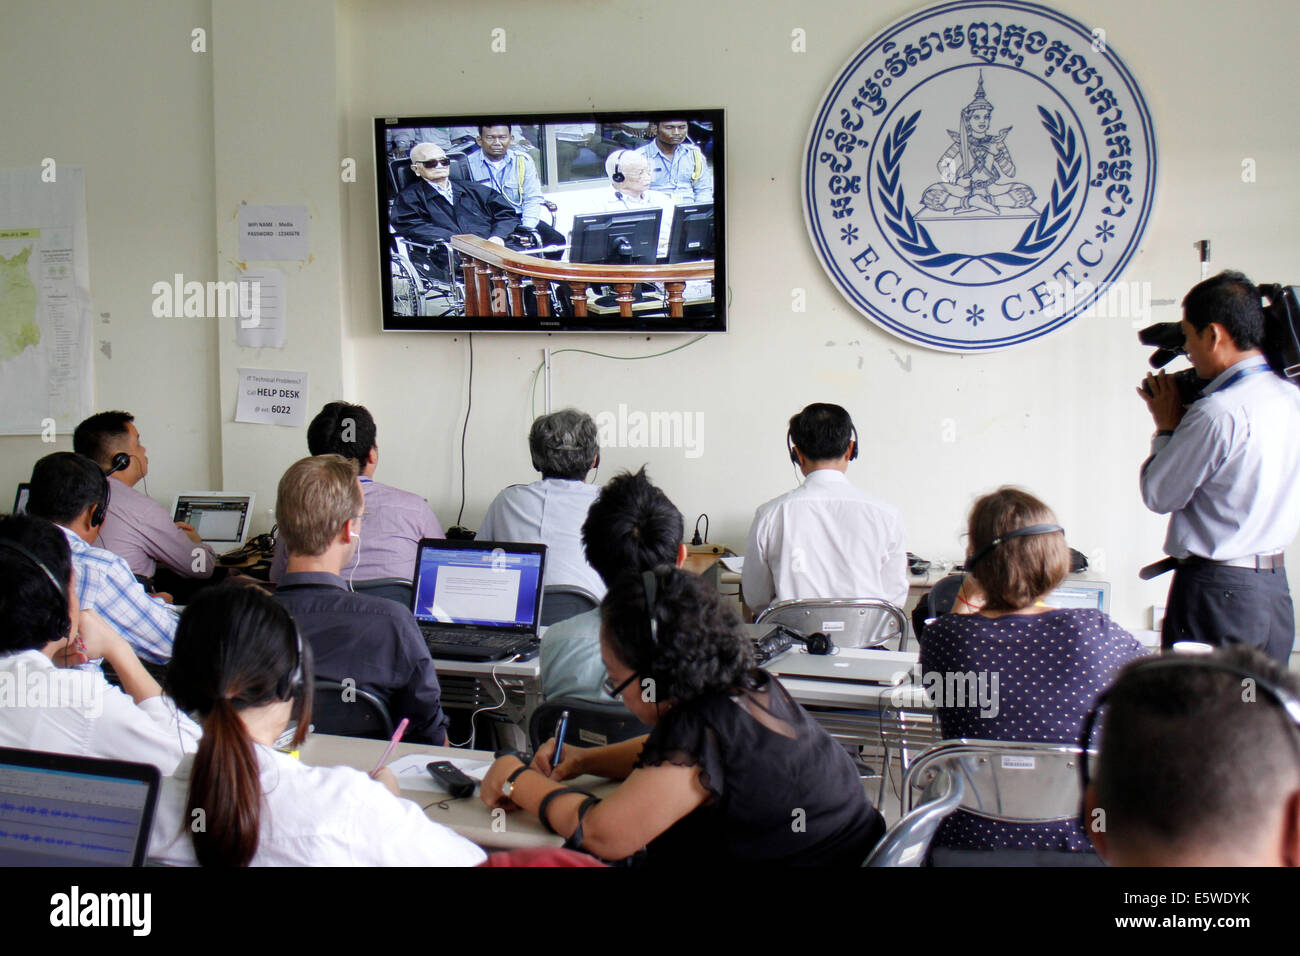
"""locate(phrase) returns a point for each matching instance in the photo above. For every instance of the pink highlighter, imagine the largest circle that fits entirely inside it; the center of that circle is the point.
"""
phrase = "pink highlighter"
(397, 738)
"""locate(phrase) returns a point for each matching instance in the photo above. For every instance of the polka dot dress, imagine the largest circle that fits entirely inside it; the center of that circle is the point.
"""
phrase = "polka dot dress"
(1050, 669)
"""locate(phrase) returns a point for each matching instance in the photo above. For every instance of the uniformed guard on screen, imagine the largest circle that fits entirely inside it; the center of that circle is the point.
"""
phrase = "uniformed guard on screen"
(677, 167)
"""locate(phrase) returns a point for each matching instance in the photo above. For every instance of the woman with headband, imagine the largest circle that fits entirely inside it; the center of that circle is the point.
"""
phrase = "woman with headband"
(1037, 669)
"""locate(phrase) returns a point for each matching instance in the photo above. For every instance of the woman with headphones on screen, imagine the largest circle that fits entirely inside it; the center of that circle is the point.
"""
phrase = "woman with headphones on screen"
(734, 769)
(1038, 668)
(240, 666)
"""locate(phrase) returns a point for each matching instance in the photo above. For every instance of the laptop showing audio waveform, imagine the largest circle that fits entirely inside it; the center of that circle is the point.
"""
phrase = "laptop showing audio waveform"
(60, 810)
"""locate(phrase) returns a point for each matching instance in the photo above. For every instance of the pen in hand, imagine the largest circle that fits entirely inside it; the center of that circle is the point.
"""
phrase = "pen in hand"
(560, 729)
(397, 738)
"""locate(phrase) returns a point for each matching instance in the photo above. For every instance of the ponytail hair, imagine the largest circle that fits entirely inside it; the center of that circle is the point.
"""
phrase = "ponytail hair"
(236, 647)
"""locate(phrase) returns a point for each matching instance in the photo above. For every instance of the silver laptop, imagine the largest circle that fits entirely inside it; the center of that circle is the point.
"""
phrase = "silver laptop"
(220, 518)
(1076, 592)
(882, 668)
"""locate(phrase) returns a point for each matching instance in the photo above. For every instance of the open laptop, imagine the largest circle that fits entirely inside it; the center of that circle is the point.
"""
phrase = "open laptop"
(220, 518)
(1076, 592)
(20, 499)
(59, 810)
(477, 600)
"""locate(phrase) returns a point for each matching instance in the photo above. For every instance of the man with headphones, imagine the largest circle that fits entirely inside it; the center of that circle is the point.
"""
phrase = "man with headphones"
(369, 640)
(825, 539)
(1199, 763)
(629, 175)
(47, 634)
(71, 491)
(138, 529)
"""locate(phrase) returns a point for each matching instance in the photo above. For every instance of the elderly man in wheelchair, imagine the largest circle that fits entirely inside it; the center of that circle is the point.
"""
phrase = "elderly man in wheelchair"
(426, 214)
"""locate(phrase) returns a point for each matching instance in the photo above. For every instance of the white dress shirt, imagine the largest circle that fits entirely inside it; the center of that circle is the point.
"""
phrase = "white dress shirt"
(550, 512)
(825, 539)
(78, 712)
(1229, 475)
(317, 816)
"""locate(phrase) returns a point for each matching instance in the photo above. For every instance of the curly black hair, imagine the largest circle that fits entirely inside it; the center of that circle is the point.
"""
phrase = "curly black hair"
(701, 646)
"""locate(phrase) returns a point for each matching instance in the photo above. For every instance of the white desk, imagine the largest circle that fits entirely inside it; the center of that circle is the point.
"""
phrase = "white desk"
(468, 816)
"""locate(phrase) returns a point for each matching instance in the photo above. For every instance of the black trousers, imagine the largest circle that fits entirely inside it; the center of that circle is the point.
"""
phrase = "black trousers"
(1222, 606)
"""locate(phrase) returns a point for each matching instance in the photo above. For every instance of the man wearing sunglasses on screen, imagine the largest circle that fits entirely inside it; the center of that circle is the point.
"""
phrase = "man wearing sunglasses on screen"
(433, 209)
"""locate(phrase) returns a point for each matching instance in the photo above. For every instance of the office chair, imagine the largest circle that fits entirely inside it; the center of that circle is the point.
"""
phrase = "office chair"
(1010, 781)
(563, 601)
(590, 725)
(936, 602)
(393, 589)
(363, 716)
(857, 622)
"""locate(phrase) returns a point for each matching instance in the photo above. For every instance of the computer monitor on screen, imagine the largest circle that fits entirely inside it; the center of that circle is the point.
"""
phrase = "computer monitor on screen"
(691, 238)
(616, 238)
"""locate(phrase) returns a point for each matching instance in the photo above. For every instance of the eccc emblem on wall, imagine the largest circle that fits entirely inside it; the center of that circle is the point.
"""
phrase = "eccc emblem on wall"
(979, 173)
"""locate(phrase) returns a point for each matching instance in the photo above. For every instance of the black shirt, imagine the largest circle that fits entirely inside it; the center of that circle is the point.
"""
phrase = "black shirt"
(782, 790)
(422, 214)
(371, 640)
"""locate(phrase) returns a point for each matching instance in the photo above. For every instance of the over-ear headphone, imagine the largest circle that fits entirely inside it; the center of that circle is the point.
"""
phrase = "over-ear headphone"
(66, 627)
(819, 642)
(617, 176)
(290, 685)
(1286, 700)
(794, 456)
(121, 462)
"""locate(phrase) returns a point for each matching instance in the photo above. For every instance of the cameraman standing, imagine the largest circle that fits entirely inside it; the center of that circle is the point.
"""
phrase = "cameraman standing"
(1226, 468)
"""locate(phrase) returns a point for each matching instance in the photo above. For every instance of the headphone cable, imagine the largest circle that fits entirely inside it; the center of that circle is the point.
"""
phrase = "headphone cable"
(469, 404)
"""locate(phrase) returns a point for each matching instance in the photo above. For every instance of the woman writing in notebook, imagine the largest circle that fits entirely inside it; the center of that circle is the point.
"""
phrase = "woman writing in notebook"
(240, 665)
(734, 769)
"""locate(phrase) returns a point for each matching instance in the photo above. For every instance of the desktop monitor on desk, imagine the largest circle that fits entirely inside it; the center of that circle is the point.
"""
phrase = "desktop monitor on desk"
(628, 237)
(691, 239)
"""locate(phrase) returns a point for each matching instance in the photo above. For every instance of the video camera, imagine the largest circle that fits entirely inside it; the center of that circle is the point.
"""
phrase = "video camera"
(1281, 344)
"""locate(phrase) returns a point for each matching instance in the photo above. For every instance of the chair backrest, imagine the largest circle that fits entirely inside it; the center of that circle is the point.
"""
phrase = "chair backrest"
(563, 601)
(908, 840)
(849, 622)
(590, 725)
(944, 594)
(1010, 781)
(349, 712)
(394, 589)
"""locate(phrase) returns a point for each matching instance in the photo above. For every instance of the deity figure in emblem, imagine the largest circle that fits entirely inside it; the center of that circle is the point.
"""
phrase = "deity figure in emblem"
(977, 167)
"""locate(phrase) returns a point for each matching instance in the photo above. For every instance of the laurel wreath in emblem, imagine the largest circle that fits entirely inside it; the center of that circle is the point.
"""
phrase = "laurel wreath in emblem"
(1039, 235)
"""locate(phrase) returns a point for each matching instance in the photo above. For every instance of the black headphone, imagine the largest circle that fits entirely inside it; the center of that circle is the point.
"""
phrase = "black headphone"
(983, 552)
(1287, 701)
(794, 457)
(290, 685)
(650, 582)
(121, 461)
(617, 176)
(819, 642)
(66, 627)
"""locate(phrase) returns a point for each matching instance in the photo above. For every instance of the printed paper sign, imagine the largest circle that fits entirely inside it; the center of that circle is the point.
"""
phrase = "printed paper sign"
(272, 397)
(273, 232)
(263, 290)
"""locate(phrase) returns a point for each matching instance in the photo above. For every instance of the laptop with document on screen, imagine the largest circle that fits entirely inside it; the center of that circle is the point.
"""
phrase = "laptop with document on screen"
(477, 600)
(61, 810)
(221, 519)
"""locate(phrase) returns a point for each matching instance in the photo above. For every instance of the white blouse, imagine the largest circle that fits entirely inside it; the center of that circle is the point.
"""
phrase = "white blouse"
(317, 816)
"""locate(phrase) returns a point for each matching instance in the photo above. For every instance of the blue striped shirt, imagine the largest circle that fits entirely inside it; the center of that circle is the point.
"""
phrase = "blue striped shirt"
(106, 585)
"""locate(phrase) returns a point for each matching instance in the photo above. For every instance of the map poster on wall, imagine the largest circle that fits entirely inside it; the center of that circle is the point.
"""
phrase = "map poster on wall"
(46, 368)
(979, 173)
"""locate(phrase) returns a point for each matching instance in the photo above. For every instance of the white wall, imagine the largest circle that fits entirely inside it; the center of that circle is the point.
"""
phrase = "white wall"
(296, 80)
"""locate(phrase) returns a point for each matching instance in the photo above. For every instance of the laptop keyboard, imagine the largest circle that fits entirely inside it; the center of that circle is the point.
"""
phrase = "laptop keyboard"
(473, 645)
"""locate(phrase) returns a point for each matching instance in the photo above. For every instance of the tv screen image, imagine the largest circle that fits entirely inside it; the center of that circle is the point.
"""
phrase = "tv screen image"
(584, 222)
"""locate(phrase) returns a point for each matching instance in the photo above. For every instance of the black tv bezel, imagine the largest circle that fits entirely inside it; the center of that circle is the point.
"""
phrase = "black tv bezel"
(663, 325)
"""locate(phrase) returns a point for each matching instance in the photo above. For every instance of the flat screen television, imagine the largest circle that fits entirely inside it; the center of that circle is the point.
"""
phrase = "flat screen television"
(578, 222)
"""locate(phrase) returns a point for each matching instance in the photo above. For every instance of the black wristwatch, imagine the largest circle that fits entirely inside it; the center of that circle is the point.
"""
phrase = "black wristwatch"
(509, 752)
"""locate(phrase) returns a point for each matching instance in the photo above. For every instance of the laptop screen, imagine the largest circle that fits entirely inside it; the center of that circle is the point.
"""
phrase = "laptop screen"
(492, 585)
(217, 519)
(57, 810)
(1085, 594)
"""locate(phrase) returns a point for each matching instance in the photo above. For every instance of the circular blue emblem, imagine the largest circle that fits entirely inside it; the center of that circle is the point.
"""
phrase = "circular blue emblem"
(979, 173)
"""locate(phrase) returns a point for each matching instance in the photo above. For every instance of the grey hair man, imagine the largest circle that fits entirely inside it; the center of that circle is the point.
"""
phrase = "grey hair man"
(564, 448)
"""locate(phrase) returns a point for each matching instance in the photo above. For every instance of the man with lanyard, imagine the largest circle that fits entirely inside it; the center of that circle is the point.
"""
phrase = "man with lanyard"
(1227, 471)
(678, 168)
(512, 174)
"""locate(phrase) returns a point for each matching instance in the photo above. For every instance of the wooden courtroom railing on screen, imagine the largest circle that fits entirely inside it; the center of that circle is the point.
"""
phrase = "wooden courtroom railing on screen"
(494, 278)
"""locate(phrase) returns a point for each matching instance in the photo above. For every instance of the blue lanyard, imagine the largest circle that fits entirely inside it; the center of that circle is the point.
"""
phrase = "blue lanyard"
(1242, 373)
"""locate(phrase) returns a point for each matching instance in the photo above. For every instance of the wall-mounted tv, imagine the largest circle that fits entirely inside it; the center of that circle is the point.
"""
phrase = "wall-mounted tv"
(554, 222)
